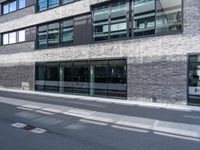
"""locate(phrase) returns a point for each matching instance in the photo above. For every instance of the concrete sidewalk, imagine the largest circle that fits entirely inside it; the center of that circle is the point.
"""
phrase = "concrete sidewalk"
(184, 107)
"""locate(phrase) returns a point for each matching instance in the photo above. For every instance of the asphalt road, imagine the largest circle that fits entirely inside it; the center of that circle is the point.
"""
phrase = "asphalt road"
(116, 127)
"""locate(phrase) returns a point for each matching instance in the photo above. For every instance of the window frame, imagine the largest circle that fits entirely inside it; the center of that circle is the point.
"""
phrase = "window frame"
(130, 25)
(60, 3)
(8, 3)
(60, 43)
(16, 38)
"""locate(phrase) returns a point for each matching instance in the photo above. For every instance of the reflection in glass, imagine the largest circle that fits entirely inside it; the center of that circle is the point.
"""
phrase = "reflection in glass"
(40, 76)
(5, 8)
(144, 17)
(194, 79)
(42, 36)
(118, 27)
(100, 18)
(52, 77)
(53, 34)
(105, 78)
(66, 77)
(81, 77)
(98, 78)
(13, 6)
(53, 3)
(169, 16)
(42, 5)
(12, 37)
(68, 32)
(117, 78)
(21, 4)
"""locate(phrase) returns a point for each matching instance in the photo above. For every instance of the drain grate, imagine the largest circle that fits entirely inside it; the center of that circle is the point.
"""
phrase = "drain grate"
(28, 128)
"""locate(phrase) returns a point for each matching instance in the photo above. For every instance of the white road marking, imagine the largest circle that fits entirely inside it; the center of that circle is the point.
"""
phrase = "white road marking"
(19, 125)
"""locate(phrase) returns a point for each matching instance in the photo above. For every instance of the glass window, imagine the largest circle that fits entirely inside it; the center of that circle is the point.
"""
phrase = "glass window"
(21, 4)
(101, 18)
(12, 37)
(98, 78)
(68, 34)
(66, 77)
(81, 77)
(194, 79)
(53, 34)
(52, 77)
(42, 36)
(42, 5)
(22, 36)
(68, 1)
(117, 78)
(144, 17)
(40, 76)
(169, 16)
(53, 3)
(13, 6)
(5, 39)
(118, 27)
(5, 8)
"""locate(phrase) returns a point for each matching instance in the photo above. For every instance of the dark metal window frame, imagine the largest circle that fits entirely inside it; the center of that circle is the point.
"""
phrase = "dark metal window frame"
(130, 23)
(88, 61)
(8, 2)
(60, 3)
(60, 43)
(17, 37)
(109, 4)
(187, 76)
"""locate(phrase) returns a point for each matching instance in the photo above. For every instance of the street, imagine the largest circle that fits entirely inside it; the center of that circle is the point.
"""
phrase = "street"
(75, 124)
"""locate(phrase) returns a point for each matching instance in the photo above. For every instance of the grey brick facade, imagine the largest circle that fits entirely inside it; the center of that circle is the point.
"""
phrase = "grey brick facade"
(157, 66)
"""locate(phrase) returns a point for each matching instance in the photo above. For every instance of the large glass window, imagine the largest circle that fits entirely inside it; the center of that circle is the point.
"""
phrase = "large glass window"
(116, 19)
(105, 78)
(13, 37)
(53, 34)
(168, 16)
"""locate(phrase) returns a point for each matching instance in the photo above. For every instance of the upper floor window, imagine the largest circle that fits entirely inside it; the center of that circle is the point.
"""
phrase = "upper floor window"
(47, 4)
(13, 37)
(55, 34)
(11, 6)
(110, 21)
(146, 17)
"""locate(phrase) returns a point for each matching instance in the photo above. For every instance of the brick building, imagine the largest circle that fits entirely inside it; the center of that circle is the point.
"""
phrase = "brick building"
(144, 50)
